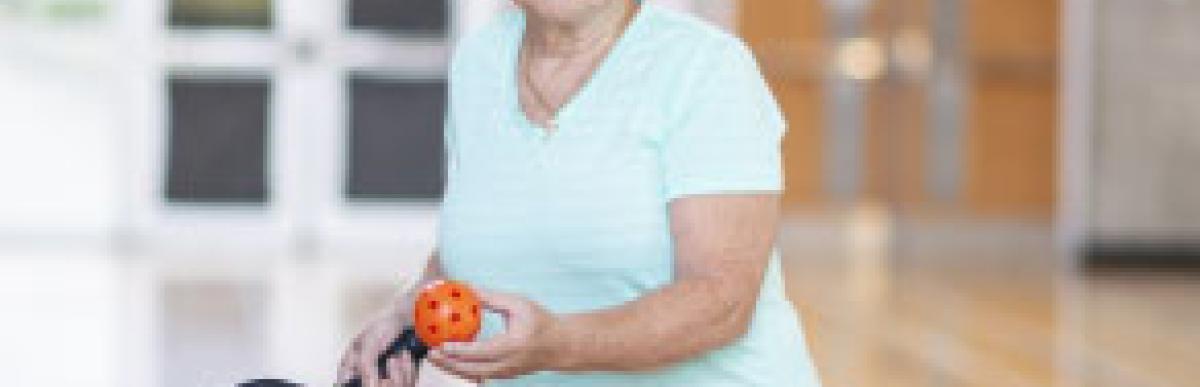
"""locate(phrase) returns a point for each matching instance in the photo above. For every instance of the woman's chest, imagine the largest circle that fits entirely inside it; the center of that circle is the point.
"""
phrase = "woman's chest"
(600, 147)
(595, 184)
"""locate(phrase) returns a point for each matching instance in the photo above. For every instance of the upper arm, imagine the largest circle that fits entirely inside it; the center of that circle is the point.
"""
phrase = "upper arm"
(723, 174)
(727, 238)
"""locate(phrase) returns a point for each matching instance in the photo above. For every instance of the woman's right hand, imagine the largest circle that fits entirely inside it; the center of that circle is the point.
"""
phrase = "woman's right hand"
(361, 355)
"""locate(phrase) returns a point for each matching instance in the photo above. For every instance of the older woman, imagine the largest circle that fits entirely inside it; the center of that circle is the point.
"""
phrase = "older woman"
(614, 175)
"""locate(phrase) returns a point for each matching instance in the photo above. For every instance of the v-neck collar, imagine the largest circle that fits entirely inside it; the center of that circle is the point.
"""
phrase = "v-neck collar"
(565, 112)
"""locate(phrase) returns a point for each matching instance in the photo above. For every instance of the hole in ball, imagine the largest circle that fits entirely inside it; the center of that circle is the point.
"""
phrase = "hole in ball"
(433, 329)
(433, 304)
(454, 317)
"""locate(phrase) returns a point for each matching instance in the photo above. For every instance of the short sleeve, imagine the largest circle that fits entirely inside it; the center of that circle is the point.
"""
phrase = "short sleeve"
(727, 135)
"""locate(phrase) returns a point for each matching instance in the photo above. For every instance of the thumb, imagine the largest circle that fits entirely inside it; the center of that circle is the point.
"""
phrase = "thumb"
(504, 304)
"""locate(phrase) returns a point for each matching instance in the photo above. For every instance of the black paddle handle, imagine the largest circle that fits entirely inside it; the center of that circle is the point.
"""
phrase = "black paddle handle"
(407, 341)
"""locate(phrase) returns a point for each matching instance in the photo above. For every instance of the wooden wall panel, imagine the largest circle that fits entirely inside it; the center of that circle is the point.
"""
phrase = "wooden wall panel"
(788, 38)
(1009, 135)
(1012, 117)
(897, 110)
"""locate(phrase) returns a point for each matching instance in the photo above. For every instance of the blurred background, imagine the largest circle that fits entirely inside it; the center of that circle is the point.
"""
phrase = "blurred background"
(980, 192)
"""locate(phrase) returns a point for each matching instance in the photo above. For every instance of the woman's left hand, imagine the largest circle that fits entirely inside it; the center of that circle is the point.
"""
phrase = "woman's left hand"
(529, 342)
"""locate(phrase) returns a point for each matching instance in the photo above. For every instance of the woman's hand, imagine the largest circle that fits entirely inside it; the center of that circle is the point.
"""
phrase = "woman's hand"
(360, 357)
(530, 342)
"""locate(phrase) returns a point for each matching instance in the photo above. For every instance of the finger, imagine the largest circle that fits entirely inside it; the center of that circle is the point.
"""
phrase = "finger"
(439, 360)
(366, 364)
(499, 302)
(343, 367)
(346, 367)
(490, 350)
(518, 312)
(409, 369)
(366, 372)
(474, 371)
(395, 372)
(348, 364)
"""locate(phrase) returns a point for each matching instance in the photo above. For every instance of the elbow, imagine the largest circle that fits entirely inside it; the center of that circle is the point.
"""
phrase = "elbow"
(731, 315)
(734, 323)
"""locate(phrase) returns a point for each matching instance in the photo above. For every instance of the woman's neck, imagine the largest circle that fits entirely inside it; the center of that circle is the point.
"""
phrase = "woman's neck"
(563, 38)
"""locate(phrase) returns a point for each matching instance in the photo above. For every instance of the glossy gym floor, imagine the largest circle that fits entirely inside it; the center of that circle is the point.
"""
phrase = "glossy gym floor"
(885, 303)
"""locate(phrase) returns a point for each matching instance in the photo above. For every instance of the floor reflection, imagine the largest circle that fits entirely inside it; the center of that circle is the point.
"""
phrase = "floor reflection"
(884, 303)
(966, 304)
(214, 332)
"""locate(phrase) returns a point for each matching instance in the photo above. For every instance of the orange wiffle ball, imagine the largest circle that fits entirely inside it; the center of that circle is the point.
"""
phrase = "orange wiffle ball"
(446, 311)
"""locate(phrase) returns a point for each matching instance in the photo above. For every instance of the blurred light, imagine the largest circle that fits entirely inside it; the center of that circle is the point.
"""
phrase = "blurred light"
(60, 308)
(910, 49)
(848, 6)
(9, 9)
(860, 59)
(221, 13)
(74, 9)
(54, 10)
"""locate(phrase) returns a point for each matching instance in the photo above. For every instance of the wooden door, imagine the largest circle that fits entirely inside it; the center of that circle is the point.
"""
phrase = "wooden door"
(961, 118)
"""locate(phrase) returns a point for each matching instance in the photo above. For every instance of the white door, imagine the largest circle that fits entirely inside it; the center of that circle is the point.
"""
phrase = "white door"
(288, 125)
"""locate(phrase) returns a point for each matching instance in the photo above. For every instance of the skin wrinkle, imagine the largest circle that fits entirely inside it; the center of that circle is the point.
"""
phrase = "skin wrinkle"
(560, 53)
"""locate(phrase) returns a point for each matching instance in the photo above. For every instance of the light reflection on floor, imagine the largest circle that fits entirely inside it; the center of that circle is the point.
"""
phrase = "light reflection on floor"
(885, 304)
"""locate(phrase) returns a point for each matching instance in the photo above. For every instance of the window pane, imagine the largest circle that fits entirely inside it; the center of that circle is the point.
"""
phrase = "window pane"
(221, 13)
(421, 16)
(395, 139)
(218, 140)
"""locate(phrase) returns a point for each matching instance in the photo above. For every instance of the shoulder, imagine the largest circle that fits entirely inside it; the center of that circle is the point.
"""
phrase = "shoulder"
(689, 53)
(699, 62)
(692, 34)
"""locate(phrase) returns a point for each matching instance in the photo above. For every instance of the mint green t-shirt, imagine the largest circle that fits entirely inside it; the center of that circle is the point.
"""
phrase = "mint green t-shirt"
(578, 220)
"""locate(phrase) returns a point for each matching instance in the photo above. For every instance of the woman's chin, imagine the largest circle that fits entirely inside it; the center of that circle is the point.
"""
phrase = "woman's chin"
(565, 12)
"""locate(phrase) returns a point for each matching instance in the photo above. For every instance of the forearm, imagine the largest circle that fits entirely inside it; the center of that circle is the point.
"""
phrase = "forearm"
(722, 248)
(682, 320)
(722, 245)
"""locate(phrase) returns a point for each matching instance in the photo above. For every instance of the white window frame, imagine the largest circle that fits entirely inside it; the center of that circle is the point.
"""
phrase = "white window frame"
(308, 130)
